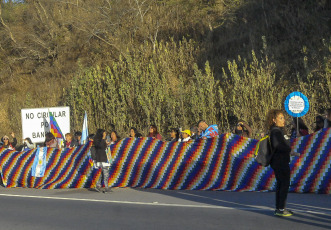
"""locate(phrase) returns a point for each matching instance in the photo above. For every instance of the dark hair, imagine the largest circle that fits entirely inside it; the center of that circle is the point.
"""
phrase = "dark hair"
(176, 131)
(272, 114)
(98, 136)
(78, 133)
(302, 125)
(319, 117)
(321, 120)
(29, 140)
(2, 139)
(194, 129)
(49, 137)
(155, 132)
(91, 136)
(135, 131)
(115, 134)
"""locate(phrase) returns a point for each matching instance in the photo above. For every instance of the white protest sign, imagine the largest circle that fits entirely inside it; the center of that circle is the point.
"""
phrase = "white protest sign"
(35, 122)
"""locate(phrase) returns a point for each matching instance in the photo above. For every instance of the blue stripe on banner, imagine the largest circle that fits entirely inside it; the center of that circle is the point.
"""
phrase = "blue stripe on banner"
(173, 148)
(35, 162)
(150, 174)
(201, 166)
(190, 174)
(172, 162)
(125, 160)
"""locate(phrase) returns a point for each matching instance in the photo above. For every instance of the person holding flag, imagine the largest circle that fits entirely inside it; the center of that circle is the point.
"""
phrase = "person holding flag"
(55, 131)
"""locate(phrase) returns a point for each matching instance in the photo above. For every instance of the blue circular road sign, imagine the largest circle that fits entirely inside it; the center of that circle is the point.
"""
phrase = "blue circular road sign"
(296, 104)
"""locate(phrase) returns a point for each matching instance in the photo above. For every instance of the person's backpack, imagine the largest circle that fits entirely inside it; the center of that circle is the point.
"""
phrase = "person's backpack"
(263, 151)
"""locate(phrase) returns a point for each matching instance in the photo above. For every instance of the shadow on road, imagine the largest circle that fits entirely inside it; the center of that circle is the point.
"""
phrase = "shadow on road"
(317, 214)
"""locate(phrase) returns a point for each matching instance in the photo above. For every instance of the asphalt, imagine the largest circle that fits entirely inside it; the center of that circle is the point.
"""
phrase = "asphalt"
(127, 208)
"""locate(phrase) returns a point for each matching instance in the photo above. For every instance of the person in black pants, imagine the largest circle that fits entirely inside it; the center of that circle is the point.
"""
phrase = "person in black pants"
(280, 160)
(100, 145)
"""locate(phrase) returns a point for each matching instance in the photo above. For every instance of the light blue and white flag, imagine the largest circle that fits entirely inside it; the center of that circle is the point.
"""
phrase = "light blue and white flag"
(39, 163)
(84, 138)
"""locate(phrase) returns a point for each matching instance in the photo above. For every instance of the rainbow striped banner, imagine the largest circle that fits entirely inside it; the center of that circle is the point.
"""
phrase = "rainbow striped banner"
(225, 162)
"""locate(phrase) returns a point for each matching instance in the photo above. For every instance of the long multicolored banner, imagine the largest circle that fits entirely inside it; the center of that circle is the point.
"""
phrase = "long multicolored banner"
(222, 163)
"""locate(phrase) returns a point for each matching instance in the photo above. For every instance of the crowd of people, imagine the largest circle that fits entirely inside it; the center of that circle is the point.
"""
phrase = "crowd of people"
(299, 128)
(275, 123)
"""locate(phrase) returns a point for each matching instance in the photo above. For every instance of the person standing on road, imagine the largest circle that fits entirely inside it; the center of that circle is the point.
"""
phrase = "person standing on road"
(280, 160)
(100, 145)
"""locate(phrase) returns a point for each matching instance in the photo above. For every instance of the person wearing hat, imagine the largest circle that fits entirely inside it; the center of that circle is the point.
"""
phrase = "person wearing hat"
(319, 121)
(7, 144)
(186, 135)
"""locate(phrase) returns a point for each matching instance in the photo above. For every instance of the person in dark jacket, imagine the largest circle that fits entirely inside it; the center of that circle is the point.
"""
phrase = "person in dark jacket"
(7, 144)
(78, 136)
(327, 120)
(27, 145)
(275, 123)
(70, 142)
(319, 121)
(100, 145)
(92, 149)
(51, 141)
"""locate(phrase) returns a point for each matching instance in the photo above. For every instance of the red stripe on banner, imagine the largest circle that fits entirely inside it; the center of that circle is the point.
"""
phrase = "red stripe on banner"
(140, 165)
(154, 163)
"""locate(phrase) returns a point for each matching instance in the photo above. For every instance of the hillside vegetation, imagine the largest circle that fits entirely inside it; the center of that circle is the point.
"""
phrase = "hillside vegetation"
(167, 62)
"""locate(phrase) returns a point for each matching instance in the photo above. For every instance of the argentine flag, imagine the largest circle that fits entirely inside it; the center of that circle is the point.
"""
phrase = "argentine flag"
(84, 138)
(39, 163)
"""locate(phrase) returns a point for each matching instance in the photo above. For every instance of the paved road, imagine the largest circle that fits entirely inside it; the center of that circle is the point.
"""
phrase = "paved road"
(157, 209)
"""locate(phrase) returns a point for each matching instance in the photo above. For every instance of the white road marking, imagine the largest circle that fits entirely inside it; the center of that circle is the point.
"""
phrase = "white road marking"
(247, 208)
(256, 208)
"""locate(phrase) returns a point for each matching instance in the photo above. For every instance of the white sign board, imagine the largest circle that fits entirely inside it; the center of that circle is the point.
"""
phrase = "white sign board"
(35, 122)
(296, 104)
